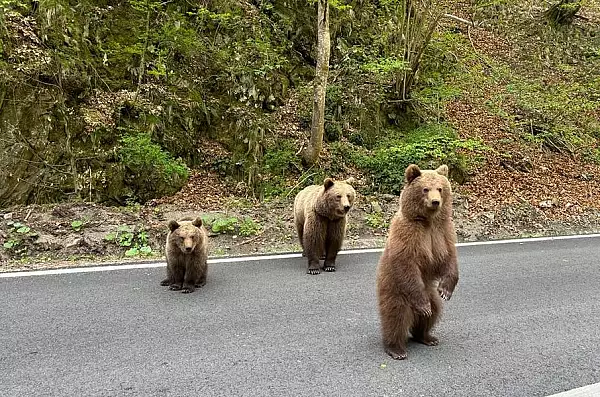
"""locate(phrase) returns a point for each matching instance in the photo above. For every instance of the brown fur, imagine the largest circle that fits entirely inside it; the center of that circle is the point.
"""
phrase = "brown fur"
(187, 255)
(320, 217)
(418, 264)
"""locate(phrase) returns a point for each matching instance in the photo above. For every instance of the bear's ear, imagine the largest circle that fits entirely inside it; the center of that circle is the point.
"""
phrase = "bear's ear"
(328, 183)
(412, 171)
(197, 222)
(173, 225)
(442, 170)
(350, 180)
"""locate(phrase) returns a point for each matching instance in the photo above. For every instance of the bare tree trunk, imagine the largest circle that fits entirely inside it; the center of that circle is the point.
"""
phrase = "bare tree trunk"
(563, 12)
(415, 62)
(311, 154)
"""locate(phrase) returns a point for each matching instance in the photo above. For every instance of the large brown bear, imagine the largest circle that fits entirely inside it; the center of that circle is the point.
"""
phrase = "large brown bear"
(320, 217)
(187, 255)
(418, 264)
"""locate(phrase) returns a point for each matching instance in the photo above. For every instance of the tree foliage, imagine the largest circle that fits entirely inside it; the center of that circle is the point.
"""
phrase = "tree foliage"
(563, 12)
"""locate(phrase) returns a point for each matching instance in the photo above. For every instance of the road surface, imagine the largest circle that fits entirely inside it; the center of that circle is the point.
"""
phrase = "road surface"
(524, 321)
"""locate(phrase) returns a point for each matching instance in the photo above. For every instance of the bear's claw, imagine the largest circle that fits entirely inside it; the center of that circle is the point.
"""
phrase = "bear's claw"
(445, 294)
(396, 353)
(425, 311)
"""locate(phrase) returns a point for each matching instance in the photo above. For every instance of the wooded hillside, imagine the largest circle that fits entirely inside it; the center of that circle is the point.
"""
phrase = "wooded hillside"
(119, 101)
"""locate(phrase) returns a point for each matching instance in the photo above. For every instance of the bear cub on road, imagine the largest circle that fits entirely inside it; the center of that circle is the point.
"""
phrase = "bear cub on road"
(418, 264)
(320, 217)
(187, 255)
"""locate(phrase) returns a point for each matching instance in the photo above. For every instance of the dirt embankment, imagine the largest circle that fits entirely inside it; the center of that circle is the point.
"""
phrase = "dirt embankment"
(36, 237)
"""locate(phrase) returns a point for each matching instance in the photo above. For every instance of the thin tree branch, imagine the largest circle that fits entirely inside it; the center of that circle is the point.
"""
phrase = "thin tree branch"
(459, 19)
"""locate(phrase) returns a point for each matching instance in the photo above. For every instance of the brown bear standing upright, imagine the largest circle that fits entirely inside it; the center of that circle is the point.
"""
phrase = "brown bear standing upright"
(187, 254)
(320, 217)
(418, 264)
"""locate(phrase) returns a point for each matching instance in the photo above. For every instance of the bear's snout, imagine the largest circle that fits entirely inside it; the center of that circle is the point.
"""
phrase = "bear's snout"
(435, 203)
(188, 245)
(346, 208)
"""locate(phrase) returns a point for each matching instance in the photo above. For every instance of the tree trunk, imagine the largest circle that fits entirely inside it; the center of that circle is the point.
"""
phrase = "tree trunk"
(563, 12)
(311, 154)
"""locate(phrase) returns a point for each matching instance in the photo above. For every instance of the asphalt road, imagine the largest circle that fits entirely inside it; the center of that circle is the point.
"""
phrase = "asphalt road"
(524, 321)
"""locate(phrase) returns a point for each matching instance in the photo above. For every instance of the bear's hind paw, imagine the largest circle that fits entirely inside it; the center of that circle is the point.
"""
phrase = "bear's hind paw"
(428, 340)
(396, 353)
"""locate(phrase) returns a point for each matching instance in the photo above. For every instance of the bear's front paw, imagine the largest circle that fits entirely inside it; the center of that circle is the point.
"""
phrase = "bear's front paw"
(329, 268)
(445, 294)
(188, 289)
(424, 310)
(165, 282)
(446, 287)
(313, 270)
(175, 287)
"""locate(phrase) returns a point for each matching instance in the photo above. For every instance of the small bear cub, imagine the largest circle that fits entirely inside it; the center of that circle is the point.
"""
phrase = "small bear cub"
(187, 254)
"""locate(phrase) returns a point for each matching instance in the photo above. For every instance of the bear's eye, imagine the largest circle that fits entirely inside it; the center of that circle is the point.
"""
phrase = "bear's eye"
(339, 196)
(440, 189)
(425, 190)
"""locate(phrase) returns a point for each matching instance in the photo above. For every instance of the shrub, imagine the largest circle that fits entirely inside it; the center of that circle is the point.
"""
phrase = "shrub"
(427, 146)
(224, 225)
(278, 159)
(249, 227)
(152, 172)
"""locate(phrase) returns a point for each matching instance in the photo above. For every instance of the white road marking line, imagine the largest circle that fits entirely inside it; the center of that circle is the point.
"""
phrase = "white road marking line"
(528, 240)
(89, 269)
(105, 268)
(585, 391)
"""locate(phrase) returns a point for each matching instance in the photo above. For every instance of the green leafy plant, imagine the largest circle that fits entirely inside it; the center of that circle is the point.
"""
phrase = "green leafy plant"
(376, 220)
(153, 171)
(19, 234)
(220, 251)
(224, 225)
(11, 243)
(20, 229)
(23, 229)
(139, 251)
(426, 146)
(137, 242)
(77, 225)
(11, 4)
(281, 157)
(248, 227)
(386, 66)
